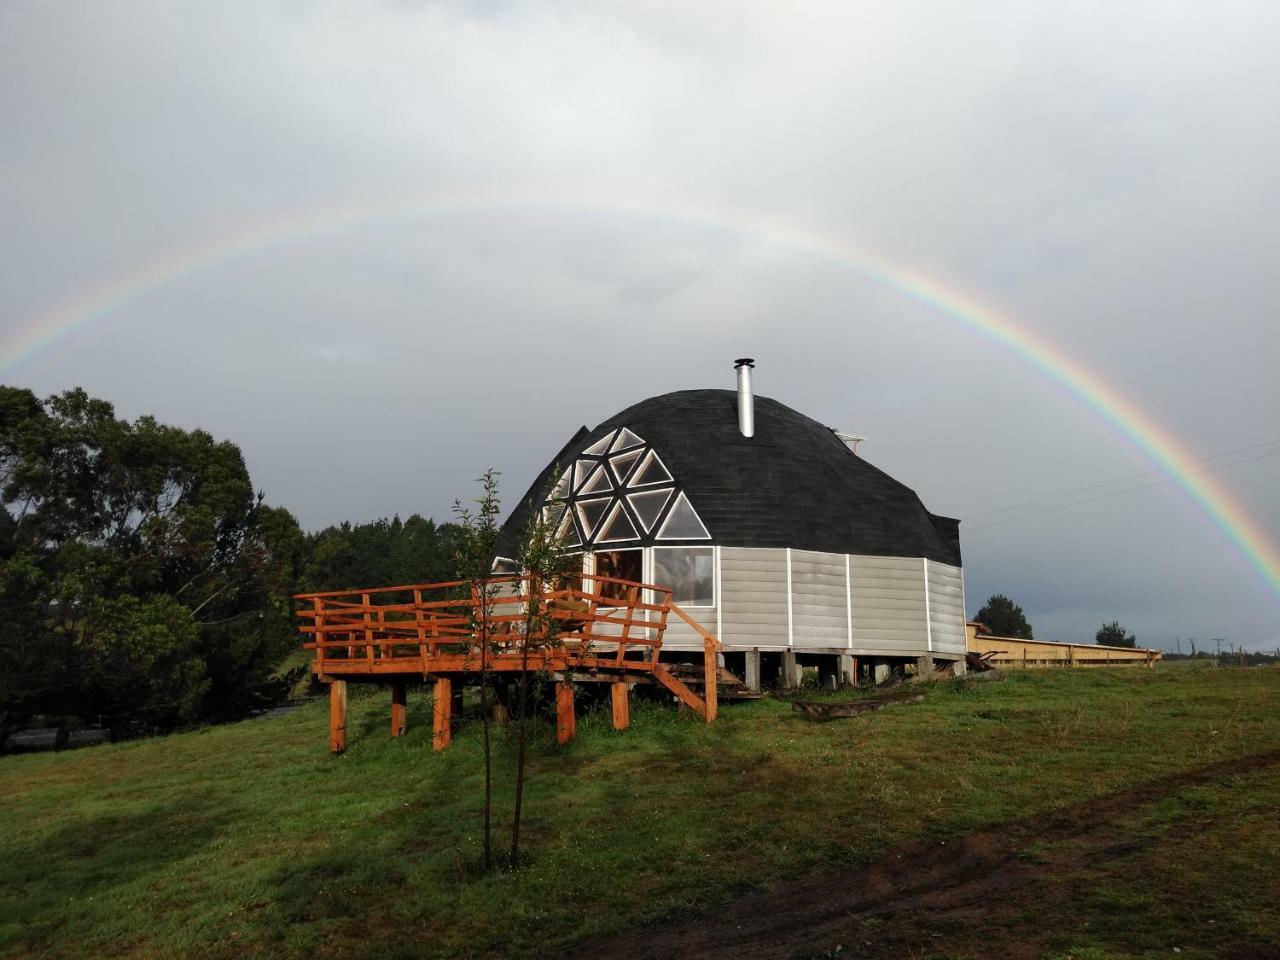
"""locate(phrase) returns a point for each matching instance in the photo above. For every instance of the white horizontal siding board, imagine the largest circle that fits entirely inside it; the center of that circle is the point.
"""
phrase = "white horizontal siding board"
(904, 650)
(946, 608)
(767, 564)
(754, 596)
(877, 634)
(928, 625)
(791, 632)
(848, 602)
(680, 636)
(716, 555)
(819, 601)
(889, 608)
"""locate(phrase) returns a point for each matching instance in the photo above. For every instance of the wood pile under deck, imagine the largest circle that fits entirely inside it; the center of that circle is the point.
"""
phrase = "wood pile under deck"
(593, 629)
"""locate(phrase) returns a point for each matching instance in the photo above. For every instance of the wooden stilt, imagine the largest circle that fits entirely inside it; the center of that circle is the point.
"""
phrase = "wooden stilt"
(710, 678)
(337, 716)
(621, 707)
(442, 714)
(399, 711)
(565, 727)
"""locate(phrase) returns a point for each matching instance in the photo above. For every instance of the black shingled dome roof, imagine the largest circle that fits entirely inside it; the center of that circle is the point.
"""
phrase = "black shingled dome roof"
(794, 484)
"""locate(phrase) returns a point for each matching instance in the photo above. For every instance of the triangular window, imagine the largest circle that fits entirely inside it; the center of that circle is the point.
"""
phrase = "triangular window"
(561, 488)
(598, 482)
(682, 523)
(600, 446)
(581, 471)
(553, 512)
(649, 472)
(623, 462)
(625, 439)
(617, 527)
(568, 533)
(590, 512)
(648, 505)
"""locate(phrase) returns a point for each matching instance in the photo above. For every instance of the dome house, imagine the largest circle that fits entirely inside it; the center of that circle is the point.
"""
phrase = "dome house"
(773, 533)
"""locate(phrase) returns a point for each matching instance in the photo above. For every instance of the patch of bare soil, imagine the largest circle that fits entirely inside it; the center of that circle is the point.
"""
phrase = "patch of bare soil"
(977, 896)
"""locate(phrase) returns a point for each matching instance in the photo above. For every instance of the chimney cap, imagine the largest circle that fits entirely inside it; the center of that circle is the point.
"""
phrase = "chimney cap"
(744, 361)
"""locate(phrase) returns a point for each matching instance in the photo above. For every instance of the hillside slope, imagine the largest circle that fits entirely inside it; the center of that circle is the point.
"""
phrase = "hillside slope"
(250, 840)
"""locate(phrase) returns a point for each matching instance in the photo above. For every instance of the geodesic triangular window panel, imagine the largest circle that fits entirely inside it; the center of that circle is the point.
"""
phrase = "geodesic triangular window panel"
(568, 533)
(618, 490)
(553, 513)
(600, 446)
(561, 489)
(581, 470)
(598, 482)
(617, 527)
(623, 462)
(648, 505)
(683, 523)
(651, 471)
(625, 439)
(590, 512)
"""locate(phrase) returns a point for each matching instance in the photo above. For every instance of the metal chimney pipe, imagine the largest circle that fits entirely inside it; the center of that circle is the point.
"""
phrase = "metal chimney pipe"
(746, 399)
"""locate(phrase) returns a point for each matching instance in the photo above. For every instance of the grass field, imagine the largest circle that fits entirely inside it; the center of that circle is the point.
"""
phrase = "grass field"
(250, 840)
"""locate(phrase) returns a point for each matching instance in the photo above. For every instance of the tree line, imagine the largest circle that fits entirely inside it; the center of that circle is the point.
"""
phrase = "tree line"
(145, 585)
(1001, 617)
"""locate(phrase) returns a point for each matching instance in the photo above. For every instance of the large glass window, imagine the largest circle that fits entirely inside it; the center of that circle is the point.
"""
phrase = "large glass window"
(622, 564)
(689, 572)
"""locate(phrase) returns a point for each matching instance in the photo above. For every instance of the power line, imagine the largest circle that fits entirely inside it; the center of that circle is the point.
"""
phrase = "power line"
(1117, 493)
(1112, 483)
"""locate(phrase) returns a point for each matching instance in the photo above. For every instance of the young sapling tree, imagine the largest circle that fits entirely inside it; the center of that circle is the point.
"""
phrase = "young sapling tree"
(545, 564)
(476, 542)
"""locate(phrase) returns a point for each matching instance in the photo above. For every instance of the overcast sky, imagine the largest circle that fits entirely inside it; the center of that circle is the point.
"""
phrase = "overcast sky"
(524, 217)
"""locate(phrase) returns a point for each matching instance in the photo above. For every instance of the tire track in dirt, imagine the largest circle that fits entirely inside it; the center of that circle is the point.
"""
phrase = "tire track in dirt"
(919, 893)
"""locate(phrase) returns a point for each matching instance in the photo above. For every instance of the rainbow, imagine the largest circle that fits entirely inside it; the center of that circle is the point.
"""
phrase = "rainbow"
(1155, 441)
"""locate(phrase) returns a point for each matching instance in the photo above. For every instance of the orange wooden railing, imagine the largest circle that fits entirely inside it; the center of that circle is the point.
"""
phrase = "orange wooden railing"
(596, 617)
(610, 627)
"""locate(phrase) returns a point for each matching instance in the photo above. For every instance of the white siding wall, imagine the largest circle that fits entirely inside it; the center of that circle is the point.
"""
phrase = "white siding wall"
(681, 636)
(946, 608)
(886, 594)
(889, 605)
(819, 600)
(753, 597)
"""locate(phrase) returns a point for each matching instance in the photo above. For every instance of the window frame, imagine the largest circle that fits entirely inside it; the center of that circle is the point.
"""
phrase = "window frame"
(592, 564)
(715, 579)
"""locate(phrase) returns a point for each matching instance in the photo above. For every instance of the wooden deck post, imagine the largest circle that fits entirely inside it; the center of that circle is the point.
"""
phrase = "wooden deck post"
(710, 677)
(337, 716)
(399, 711)
(565, 727)
(442, 713)
(621, 706)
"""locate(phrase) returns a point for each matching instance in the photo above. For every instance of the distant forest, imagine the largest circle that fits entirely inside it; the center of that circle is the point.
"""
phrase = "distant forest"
(145, 585)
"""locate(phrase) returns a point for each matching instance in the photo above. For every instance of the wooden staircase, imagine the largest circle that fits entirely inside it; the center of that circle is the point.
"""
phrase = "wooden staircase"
(729, 685)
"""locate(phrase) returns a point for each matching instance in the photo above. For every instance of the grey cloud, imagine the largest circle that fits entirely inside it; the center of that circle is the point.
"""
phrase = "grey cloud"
(1103, 174)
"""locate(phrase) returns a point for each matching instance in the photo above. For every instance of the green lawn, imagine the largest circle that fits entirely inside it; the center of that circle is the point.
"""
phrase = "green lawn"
(250, 840)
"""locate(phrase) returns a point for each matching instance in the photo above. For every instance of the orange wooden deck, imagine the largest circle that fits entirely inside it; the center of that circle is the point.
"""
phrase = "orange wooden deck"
(596, 629)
